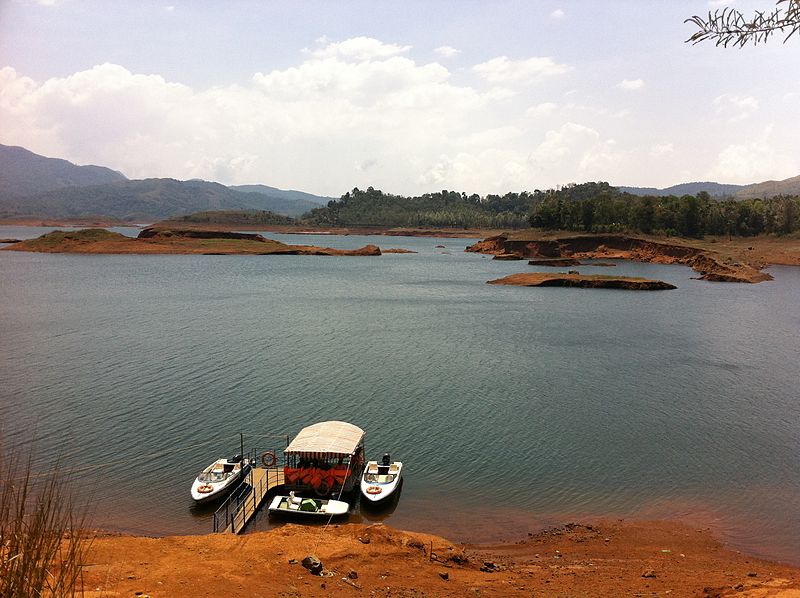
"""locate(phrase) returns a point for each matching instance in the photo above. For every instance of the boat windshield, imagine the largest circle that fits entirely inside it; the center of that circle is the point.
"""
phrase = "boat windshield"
(377, 478)
(213, 476)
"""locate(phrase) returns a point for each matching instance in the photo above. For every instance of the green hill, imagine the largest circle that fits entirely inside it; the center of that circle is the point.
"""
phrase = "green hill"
(231, 217)
(770, 189)
(308, 200)
(24, 173)
(144, 200)
(713, 189)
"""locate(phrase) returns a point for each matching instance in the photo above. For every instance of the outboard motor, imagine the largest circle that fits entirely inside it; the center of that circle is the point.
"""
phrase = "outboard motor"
(387, 460)
(235, 459)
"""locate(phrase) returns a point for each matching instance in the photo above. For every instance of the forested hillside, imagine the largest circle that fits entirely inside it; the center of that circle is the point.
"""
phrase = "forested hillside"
(589, 207)
(143, 200)
(598, 207)
(24, 173)
(234, 217)
(443, 209)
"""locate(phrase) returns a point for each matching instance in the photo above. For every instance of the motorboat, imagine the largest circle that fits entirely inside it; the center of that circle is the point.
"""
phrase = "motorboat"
(381, 482)
(218, 478)
(311, 507)
(325, 460)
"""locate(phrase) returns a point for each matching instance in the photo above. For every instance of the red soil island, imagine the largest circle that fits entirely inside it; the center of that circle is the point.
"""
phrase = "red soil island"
(163, 241)
(710, 264)
(595, 281)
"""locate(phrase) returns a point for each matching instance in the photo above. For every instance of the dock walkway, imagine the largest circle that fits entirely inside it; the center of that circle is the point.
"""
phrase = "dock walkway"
(236, 512)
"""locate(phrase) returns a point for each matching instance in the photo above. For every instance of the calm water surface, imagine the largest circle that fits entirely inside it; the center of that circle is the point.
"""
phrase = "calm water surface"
(512, 408)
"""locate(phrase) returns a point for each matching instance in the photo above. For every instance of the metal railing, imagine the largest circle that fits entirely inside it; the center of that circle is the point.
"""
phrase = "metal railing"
(232, 510)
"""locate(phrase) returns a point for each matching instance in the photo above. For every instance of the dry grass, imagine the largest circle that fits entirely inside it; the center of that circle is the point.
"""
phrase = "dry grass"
(42, 542)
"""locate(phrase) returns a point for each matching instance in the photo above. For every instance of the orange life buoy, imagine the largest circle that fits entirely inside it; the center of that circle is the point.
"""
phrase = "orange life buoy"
(268, 459)
(374, 490)
(205, 488)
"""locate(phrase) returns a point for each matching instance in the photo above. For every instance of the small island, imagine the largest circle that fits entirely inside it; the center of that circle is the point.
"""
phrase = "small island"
(583, 281)
(177, 241)
(712, 264)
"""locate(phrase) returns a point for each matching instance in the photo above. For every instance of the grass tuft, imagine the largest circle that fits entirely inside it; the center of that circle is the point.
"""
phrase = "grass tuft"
(42, 540)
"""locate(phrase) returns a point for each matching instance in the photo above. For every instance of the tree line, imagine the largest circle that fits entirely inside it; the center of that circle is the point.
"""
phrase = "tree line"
(588, 207)
(598, 207)
(450, 209)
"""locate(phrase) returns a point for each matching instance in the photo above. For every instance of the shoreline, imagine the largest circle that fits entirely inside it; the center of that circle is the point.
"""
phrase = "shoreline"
(595, 558)
(758, 252)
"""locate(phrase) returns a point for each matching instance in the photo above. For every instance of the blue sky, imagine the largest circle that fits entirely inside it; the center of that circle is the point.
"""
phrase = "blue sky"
(409, 97)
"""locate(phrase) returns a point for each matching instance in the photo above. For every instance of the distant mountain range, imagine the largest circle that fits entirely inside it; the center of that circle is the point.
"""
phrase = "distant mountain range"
(766, 189)
(713, 189)
(770, 188)
(36, 186)
(33, 185)
(314, 200)
(24, 173)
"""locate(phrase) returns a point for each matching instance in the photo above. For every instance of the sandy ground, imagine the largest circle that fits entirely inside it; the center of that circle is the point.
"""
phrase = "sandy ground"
(611, 558)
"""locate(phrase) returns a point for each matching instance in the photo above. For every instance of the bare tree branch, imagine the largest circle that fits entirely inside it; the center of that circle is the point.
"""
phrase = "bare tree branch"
(729, 26)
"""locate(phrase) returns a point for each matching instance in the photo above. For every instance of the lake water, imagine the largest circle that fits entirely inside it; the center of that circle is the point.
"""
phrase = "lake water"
(512, 408)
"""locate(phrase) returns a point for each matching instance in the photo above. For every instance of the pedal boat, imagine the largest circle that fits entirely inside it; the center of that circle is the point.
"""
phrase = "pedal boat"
(218, 479)
(380, 482)
(307, 507)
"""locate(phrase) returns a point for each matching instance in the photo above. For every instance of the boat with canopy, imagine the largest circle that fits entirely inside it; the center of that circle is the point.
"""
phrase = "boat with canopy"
(325, 459)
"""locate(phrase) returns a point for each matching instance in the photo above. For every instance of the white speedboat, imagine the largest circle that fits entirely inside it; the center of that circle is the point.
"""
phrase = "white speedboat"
(380, 482)
(218, 478)
(311, 507)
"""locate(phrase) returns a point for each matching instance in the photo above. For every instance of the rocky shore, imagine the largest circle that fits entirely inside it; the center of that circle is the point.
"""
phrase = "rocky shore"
(596, 281)
(178, 241)
(616, 558)
(709, 264)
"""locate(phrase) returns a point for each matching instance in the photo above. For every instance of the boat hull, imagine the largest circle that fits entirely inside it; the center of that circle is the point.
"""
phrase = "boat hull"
(302, 509)
(376, 490)
(218, 489)
(387, 493)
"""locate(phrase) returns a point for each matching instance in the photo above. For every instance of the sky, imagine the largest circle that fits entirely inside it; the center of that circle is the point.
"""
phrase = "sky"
(407, 96)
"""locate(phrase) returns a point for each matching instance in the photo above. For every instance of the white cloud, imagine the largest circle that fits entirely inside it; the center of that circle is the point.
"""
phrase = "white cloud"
(557, 14)
(744, 102)
(359, 49)
(504, 70)
(539, 110)
(359, 113)
(498, 94)
(753, 161)
(308, 126)
(662, 149)
(576, 151)
(447, 51)
(735, 108)
(169, 8)
(631, 84)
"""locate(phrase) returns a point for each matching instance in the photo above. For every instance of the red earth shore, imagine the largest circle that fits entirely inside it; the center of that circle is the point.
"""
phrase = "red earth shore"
(711, 264)
(605, 558)
(163, 241)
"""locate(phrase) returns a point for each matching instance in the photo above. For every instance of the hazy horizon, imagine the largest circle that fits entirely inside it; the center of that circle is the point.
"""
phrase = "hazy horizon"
(408, 98)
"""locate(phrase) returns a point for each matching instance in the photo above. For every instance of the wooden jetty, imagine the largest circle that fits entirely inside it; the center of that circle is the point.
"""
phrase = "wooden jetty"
(243, 503)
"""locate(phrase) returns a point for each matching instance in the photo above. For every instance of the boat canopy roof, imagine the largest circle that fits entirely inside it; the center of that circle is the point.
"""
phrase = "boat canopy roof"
(324, 439)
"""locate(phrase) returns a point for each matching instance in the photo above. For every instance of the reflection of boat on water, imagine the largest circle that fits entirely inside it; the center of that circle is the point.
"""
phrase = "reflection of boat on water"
(380, 483)
(218, 478)
(292, 505)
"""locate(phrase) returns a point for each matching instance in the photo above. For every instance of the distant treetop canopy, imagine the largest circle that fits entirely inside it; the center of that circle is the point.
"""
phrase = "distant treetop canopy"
(729, 26)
